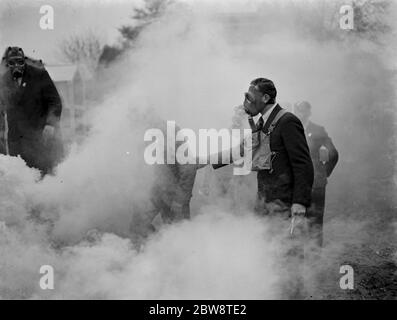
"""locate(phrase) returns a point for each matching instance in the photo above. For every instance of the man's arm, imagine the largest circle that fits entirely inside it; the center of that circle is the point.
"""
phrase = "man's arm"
(236, 153)
(51, 99)
(294, 139)
(332, 152)
(187, 176)
(184, 187)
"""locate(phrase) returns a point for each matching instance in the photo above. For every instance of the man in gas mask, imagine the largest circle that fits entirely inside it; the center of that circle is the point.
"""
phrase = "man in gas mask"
(324, 156)
(285, 173)
(280, 153)
(281, 157)
(30, 112)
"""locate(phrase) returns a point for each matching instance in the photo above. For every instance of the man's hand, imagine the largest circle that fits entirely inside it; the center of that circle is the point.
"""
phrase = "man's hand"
(200, 165)
(298, 210)
(48, 133)
(176, 210)
(323, 154)
(204, 190)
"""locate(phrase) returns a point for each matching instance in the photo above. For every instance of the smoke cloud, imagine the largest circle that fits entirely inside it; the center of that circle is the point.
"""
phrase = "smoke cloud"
(192, 65)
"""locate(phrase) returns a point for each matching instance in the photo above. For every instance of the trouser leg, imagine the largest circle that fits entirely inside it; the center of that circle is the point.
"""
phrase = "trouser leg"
(171, 217)
(316, 216)
(313, 247)
(34, 153)
(292, 247)
(141, 223)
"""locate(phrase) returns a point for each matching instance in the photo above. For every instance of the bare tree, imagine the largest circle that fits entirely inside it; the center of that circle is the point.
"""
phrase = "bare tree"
(320, 20)
(142, 17)
(84, 49)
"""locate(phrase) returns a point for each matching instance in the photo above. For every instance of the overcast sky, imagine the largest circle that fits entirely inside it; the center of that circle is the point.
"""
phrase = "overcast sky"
(19, 23)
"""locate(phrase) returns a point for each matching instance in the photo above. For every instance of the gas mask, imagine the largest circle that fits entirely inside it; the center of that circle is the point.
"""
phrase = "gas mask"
(15, 61)
(253, 103)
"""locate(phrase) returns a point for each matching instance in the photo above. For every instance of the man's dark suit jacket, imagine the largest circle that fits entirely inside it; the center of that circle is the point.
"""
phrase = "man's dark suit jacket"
(316, 137)
(292, 177)
(30, 106)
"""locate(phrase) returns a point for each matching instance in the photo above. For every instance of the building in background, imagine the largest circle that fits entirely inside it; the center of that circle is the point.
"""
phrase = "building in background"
(72, 82)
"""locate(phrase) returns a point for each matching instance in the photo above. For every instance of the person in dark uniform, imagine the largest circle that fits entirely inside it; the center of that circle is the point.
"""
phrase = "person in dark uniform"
(324, 156)
(30, 112)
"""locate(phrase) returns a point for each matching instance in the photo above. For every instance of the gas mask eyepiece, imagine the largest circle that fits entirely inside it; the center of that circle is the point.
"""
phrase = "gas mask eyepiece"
(15, 61)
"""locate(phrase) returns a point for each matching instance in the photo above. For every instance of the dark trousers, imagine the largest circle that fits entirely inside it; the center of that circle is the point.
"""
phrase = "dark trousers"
(292, 246)
(141, 224)
(36, 154)
(32, 152)
(315, 215)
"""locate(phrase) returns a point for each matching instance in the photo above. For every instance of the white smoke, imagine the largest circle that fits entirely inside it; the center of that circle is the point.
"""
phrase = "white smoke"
(213, 256)
(184, 68)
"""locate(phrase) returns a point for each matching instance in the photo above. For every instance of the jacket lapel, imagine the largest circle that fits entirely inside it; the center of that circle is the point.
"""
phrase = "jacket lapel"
(309, 129)
(24, 83)
(273, 114)
(25, 79)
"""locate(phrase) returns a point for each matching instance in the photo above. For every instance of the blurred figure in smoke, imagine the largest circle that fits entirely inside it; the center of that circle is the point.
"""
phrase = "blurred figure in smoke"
(30, 112)
(170, 194)
(324, 156)
(234, 188)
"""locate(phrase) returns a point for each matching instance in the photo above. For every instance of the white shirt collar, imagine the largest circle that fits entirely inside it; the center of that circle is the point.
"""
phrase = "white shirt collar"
(305, 125)
(266, 115)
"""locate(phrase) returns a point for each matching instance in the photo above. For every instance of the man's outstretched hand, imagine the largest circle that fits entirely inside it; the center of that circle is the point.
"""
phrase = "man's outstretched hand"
(298, 210)
(177, 210)
(298, 213)
(48, 133)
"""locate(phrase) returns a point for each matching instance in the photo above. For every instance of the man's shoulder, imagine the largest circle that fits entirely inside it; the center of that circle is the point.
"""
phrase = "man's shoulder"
(37, 63)
(34, 69)
(289, 117)
(289, 123)
(315, 128)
